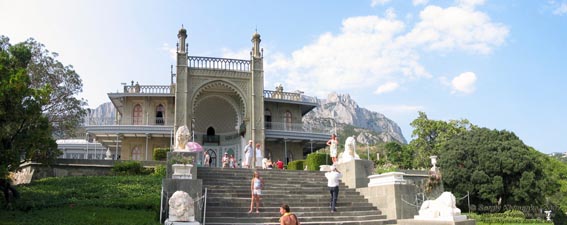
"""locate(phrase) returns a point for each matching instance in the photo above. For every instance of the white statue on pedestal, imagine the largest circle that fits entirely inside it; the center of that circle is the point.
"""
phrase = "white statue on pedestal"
(181, 207)
(349, 153)
(182, 137)
(443, 208)
(108, 154)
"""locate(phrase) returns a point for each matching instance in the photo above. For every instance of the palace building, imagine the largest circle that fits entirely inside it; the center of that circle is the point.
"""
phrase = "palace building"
(221, 100)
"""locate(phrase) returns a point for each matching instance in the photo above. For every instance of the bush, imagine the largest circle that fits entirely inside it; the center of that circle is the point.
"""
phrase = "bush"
(314, 160)
(296, 165)
(159, 171)
(129, 168)
(160, 154)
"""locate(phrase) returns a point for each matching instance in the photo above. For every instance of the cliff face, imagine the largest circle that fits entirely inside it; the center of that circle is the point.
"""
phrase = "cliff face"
(104, 114)
(367, 126)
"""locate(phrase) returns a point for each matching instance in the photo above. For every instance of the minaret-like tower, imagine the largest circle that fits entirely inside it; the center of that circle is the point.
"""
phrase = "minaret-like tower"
(182, 112)
(257, 87)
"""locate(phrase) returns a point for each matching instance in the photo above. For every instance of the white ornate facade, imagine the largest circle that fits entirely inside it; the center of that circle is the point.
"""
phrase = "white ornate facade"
(221, 100)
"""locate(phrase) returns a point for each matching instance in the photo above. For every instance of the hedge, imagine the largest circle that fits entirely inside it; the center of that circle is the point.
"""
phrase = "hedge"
(314, 160)
(296, 165)
(160, 154)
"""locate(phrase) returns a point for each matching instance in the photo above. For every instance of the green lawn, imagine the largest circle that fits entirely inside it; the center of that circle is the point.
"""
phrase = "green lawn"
(87, 200)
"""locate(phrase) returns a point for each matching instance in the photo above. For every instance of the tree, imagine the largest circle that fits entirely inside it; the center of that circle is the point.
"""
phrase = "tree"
(399, 155)
(64, 111)
(430, 134)
(494, 167)
(25, 132)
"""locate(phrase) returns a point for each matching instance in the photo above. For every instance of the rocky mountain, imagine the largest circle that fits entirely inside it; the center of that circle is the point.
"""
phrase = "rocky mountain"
(365, 125)
(104, 114)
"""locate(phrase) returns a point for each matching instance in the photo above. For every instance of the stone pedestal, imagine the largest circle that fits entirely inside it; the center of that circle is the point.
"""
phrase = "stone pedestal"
(182, 171)
(356, 172)
(386, 179)
(167, 222)
(435, 222)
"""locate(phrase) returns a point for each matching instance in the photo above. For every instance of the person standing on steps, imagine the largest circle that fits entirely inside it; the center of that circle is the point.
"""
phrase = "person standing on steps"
(333, 143)
(287, 217)
(256, 186)
(248, 154)
(333, 177)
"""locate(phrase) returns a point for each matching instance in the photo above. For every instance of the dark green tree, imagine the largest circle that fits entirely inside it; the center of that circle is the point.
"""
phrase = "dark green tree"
(495, 167)
(25, 132)
(64, 110)
(430, 134)
(399, 155)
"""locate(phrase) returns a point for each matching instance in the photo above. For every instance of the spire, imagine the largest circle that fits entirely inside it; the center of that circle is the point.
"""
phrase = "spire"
(182, 36)
(256, 48)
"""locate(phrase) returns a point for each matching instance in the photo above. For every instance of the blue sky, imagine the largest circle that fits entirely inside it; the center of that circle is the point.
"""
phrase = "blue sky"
(499, 64)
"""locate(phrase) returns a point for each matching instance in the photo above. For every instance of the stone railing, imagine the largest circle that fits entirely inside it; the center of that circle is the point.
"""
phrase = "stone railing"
(289, 96)
(218, 63)
(293, 127)
(129, 120)
(148, 89)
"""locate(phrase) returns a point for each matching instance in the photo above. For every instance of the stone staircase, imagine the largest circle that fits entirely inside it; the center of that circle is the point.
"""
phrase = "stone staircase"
(305, 192)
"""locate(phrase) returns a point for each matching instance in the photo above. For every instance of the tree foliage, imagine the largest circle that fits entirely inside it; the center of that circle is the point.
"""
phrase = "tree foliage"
(429, 135)
(64, 110)
(399, 155)
(495, 167)
(25, 132)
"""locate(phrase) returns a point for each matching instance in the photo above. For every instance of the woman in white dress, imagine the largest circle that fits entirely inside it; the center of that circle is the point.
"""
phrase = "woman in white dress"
(259, 156)
(332, 143)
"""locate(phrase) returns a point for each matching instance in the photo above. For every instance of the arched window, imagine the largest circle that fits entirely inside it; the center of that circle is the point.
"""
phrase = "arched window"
(136, 153)
(287, 120)
(137, 115)
(211, 137)
(160, 112)
(213, 160)
(268, 119)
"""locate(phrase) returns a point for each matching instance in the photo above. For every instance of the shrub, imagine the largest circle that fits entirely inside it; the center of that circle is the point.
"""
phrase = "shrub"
(160, 154)
(314, 160)
(129, 168)
(296, 165)
(159, 171)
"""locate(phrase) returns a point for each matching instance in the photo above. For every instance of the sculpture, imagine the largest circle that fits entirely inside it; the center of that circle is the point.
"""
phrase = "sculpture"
(181, 207)
(108, 154)
(182, 137)
(442, 208)
(349, 153)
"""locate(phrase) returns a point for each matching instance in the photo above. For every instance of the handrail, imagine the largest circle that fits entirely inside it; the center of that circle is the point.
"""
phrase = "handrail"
(218, 63)
(148, 89)
(290, 96)
(205, 208)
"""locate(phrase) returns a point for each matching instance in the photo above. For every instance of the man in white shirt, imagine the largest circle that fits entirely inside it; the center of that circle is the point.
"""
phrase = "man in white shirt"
(333, 180)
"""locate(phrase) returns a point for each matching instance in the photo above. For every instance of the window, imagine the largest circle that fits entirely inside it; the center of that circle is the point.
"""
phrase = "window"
(268, 119)
(160, 112)
(287, 120)
(136, 153)
(137, 115)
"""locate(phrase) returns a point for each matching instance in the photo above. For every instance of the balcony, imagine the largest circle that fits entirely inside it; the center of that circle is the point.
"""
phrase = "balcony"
(130, 121)
(294, 131)
(218, 63)
(148, 89)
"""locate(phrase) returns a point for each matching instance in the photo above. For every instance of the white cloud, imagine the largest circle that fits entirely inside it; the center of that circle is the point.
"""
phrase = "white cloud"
(456, 28)
(560, 8)
(372, 50)
(387, 87)
(419, 2)
(172, 51)
(374, 3)
(464, 83)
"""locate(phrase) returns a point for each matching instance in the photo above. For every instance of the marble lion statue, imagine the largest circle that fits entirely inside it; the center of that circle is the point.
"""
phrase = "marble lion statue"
(349, 153)
(443, 206)
(182, 136)
(181, 207)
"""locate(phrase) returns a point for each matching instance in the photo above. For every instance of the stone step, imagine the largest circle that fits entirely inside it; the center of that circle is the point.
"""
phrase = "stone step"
(306, 192)
(256, 218)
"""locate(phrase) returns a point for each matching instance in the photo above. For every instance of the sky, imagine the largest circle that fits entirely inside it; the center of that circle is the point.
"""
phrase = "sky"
(499, 64)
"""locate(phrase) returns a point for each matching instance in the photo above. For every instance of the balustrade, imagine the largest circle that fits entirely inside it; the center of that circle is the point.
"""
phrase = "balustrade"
(219, 63)
(129, 120)
(293, 127)
(290, 96)
(148, 89)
